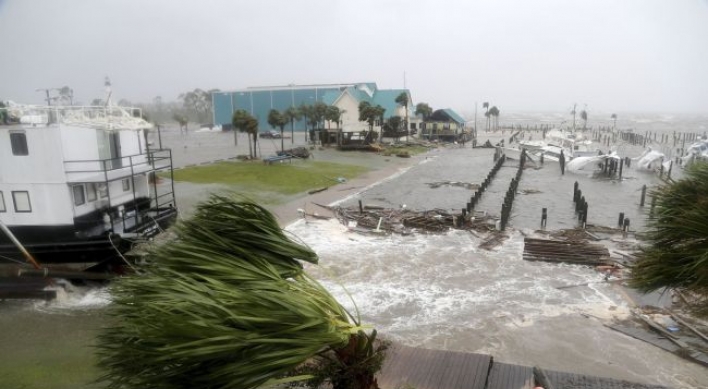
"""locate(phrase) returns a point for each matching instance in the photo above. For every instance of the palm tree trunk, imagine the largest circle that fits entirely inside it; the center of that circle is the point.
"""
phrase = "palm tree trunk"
(406, 123)
(292, 131)
(255, 144)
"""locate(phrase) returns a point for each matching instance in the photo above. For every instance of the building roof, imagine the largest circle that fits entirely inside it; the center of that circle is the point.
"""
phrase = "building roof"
(454, 115)
(447, 114)
(370, 85)
(387, 99)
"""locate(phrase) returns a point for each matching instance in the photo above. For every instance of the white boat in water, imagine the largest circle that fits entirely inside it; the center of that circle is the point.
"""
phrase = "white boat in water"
(78, 183)
(590, 163)
(696, 152)
(555, 143)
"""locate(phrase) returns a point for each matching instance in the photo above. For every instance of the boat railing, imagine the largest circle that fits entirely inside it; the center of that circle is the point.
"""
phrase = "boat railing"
(107, 117)
(111, 169)
(142, 214)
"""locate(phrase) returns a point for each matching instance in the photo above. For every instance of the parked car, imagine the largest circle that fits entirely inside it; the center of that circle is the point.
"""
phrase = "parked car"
(270, 134)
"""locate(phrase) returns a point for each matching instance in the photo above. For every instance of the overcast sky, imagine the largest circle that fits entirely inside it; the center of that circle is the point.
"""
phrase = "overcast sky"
(523, 55)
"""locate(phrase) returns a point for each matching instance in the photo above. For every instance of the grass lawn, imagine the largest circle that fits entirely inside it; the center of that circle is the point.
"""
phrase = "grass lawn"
(280, 178)
(410, 149)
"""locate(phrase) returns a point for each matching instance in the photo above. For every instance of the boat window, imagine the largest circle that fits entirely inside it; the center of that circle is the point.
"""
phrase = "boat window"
(2, 203)
(91, 192)
(79, 195)
(18, 140)
(102, 190)
(21, 200)
(126, 185)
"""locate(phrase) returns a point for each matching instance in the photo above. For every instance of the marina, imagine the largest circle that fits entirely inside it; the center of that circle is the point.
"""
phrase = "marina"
(431, 217)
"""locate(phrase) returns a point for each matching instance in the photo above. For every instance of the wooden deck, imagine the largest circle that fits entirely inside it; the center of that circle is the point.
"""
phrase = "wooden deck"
(410, 367)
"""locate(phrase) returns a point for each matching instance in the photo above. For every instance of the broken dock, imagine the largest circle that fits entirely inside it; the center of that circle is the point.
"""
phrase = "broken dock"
(411, 367)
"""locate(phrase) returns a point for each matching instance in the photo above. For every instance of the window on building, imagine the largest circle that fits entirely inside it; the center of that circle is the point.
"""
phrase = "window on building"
(18, 141)
(126, 185)
(413, 126)
(79, 195)
(21, 200)
(91, 192)
(2, 203)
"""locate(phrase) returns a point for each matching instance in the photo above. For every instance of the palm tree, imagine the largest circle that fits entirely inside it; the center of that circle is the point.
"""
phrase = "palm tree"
(677, 255)
(393, 124)
(485, 105)
(423, 110)
(277, 119)
(334, 114)
(252, 129)
(66, 95)
(292, 114)
(614, 121)
(584, 117)
(182, 121)
(305, 112)
(403, 100)
(370, 114)
(244, 122)
(227, 304)
(493, 112)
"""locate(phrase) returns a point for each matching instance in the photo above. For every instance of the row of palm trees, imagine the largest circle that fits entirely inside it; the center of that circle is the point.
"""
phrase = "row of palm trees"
(584, 118)
(492, 115)
(316, 115)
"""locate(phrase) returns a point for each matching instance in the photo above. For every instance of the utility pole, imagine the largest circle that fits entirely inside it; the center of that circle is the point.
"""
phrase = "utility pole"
(47, 99)
(574, 105)
(475, 120)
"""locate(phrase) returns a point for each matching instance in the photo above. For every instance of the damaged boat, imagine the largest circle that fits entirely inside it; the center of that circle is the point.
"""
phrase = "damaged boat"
(79, 184)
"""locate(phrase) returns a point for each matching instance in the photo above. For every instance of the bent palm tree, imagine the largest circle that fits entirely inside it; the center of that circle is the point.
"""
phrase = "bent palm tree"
(678, 253)
(228, 305)
(292, 114)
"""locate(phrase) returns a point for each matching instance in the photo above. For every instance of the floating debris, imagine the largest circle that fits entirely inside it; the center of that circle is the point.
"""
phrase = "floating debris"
(466, 185)
(406, 221)
(529, 191)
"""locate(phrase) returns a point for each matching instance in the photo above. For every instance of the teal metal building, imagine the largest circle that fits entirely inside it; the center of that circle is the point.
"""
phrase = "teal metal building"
(258, 101)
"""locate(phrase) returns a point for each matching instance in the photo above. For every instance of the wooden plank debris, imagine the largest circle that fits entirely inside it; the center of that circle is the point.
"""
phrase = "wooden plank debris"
(565, 251)
(407, 221)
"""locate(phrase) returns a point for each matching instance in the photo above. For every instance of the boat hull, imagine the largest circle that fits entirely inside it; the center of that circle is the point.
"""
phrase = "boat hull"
(60, 244)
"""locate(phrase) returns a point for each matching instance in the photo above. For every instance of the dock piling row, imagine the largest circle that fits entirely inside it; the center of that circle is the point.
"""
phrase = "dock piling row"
(511, 192)
(483, 186)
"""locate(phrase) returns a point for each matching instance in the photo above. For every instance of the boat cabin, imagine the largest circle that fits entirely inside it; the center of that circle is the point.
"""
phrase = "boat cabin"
(77, 182)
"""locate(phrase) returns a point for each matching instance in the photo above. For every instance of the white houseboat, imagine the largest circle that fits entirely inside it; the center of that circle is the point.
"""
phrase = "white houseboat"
(79, 184)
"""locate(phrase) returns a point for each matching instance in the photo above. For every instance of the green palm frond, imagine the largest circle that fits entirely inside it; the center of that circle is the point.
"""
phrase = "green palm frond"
(678, 235)
(225, 305)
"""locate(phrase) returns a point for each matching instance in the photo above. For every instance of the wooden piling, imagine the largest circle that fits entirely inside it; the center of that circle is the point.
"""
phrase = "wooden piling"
(644, 194)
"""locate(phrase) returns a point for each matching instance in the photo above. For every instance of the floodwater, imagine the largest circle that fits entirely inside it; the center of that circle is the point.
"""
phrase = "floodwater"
(436, 291)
